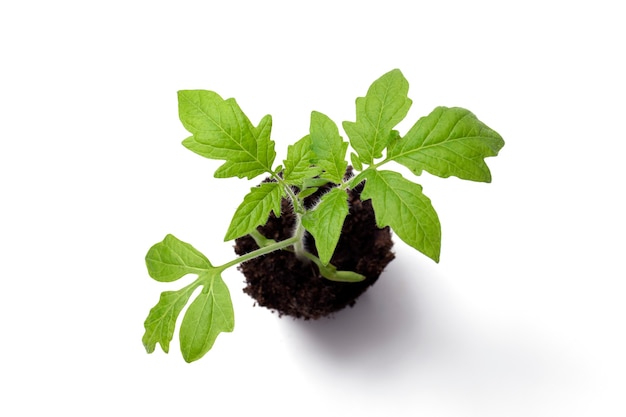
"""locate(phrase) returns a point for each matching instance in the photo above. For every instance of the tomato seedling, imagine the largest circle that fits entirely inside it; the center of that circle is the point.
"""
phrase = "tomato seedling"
(447, 142)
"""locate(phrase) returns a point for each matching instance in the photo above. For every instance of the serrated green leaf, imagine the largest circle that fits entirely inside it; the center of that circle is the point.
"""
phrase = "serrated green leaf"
(222, 131)
(172, 259)
(448, 142)
(161, 320)
(325, 222)
(208, 315)
(328, 146)
(400, 204)
(384, 106)
(299, 164)
(255, 209)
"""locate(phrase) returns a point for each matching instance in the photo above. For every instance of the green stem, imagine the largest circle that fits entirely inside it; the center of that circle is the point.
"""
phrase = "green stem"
(261, 240)
(299, 210)
(259, 252)
(330, 271)
(294, 199)
(298, 247)
(383, 162)
(349, 184)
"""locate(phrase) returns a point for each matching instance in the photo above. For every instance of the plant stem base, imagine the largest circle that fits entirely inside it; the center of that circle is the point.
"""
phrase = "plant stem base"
(291, 286)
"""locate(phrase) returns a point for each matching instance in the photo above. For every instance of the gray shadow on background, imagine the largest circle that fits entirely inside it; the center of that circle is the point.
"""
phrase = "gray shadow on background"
(388, 323)
(409, 322)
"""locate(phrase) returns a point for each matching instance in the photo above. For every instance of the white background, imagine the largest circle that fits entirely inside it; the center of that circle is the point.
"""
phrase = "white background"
(523, 316)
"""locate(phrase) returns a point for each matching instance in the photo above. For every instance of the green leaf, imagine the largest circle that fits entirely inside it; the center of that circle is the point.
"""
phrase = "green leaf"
(330, 272)
(325, 222)
(172, 259)
(222, 131)
(307, 192)
(255, 209)
(314, 182)
(328, 146)
(299, 164)
(208, 315)
(168, 261)
(448, 142)
(356, 163)
(399, 203)
(161, 320)
(384, 106)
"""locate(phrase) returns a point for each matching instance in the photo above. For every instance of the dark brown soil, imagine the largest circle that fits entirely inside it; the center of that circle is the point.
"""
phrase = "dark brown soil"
(282, 282)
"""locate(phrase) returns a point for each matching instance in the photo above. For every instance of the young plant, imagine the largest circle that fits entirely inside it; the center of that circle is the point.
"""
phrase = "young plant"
(447, 142)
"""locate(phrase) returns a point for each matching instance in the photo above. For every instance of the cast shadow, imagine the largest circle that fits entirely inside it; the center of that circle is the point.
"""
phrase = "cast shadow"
(386, 325)
(410, 325)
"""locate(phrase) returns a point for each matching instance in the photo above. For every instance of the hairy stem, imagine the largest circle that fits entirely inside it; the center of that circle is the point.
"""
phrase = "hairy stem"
(260, 252)
(299, 211)
(294, 199)
(298, 247)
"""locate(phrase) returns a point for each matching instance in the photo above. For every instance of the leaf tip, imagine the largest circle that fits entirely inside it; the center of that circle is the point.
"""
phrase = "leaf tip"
(149, 348)
(436, 254)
